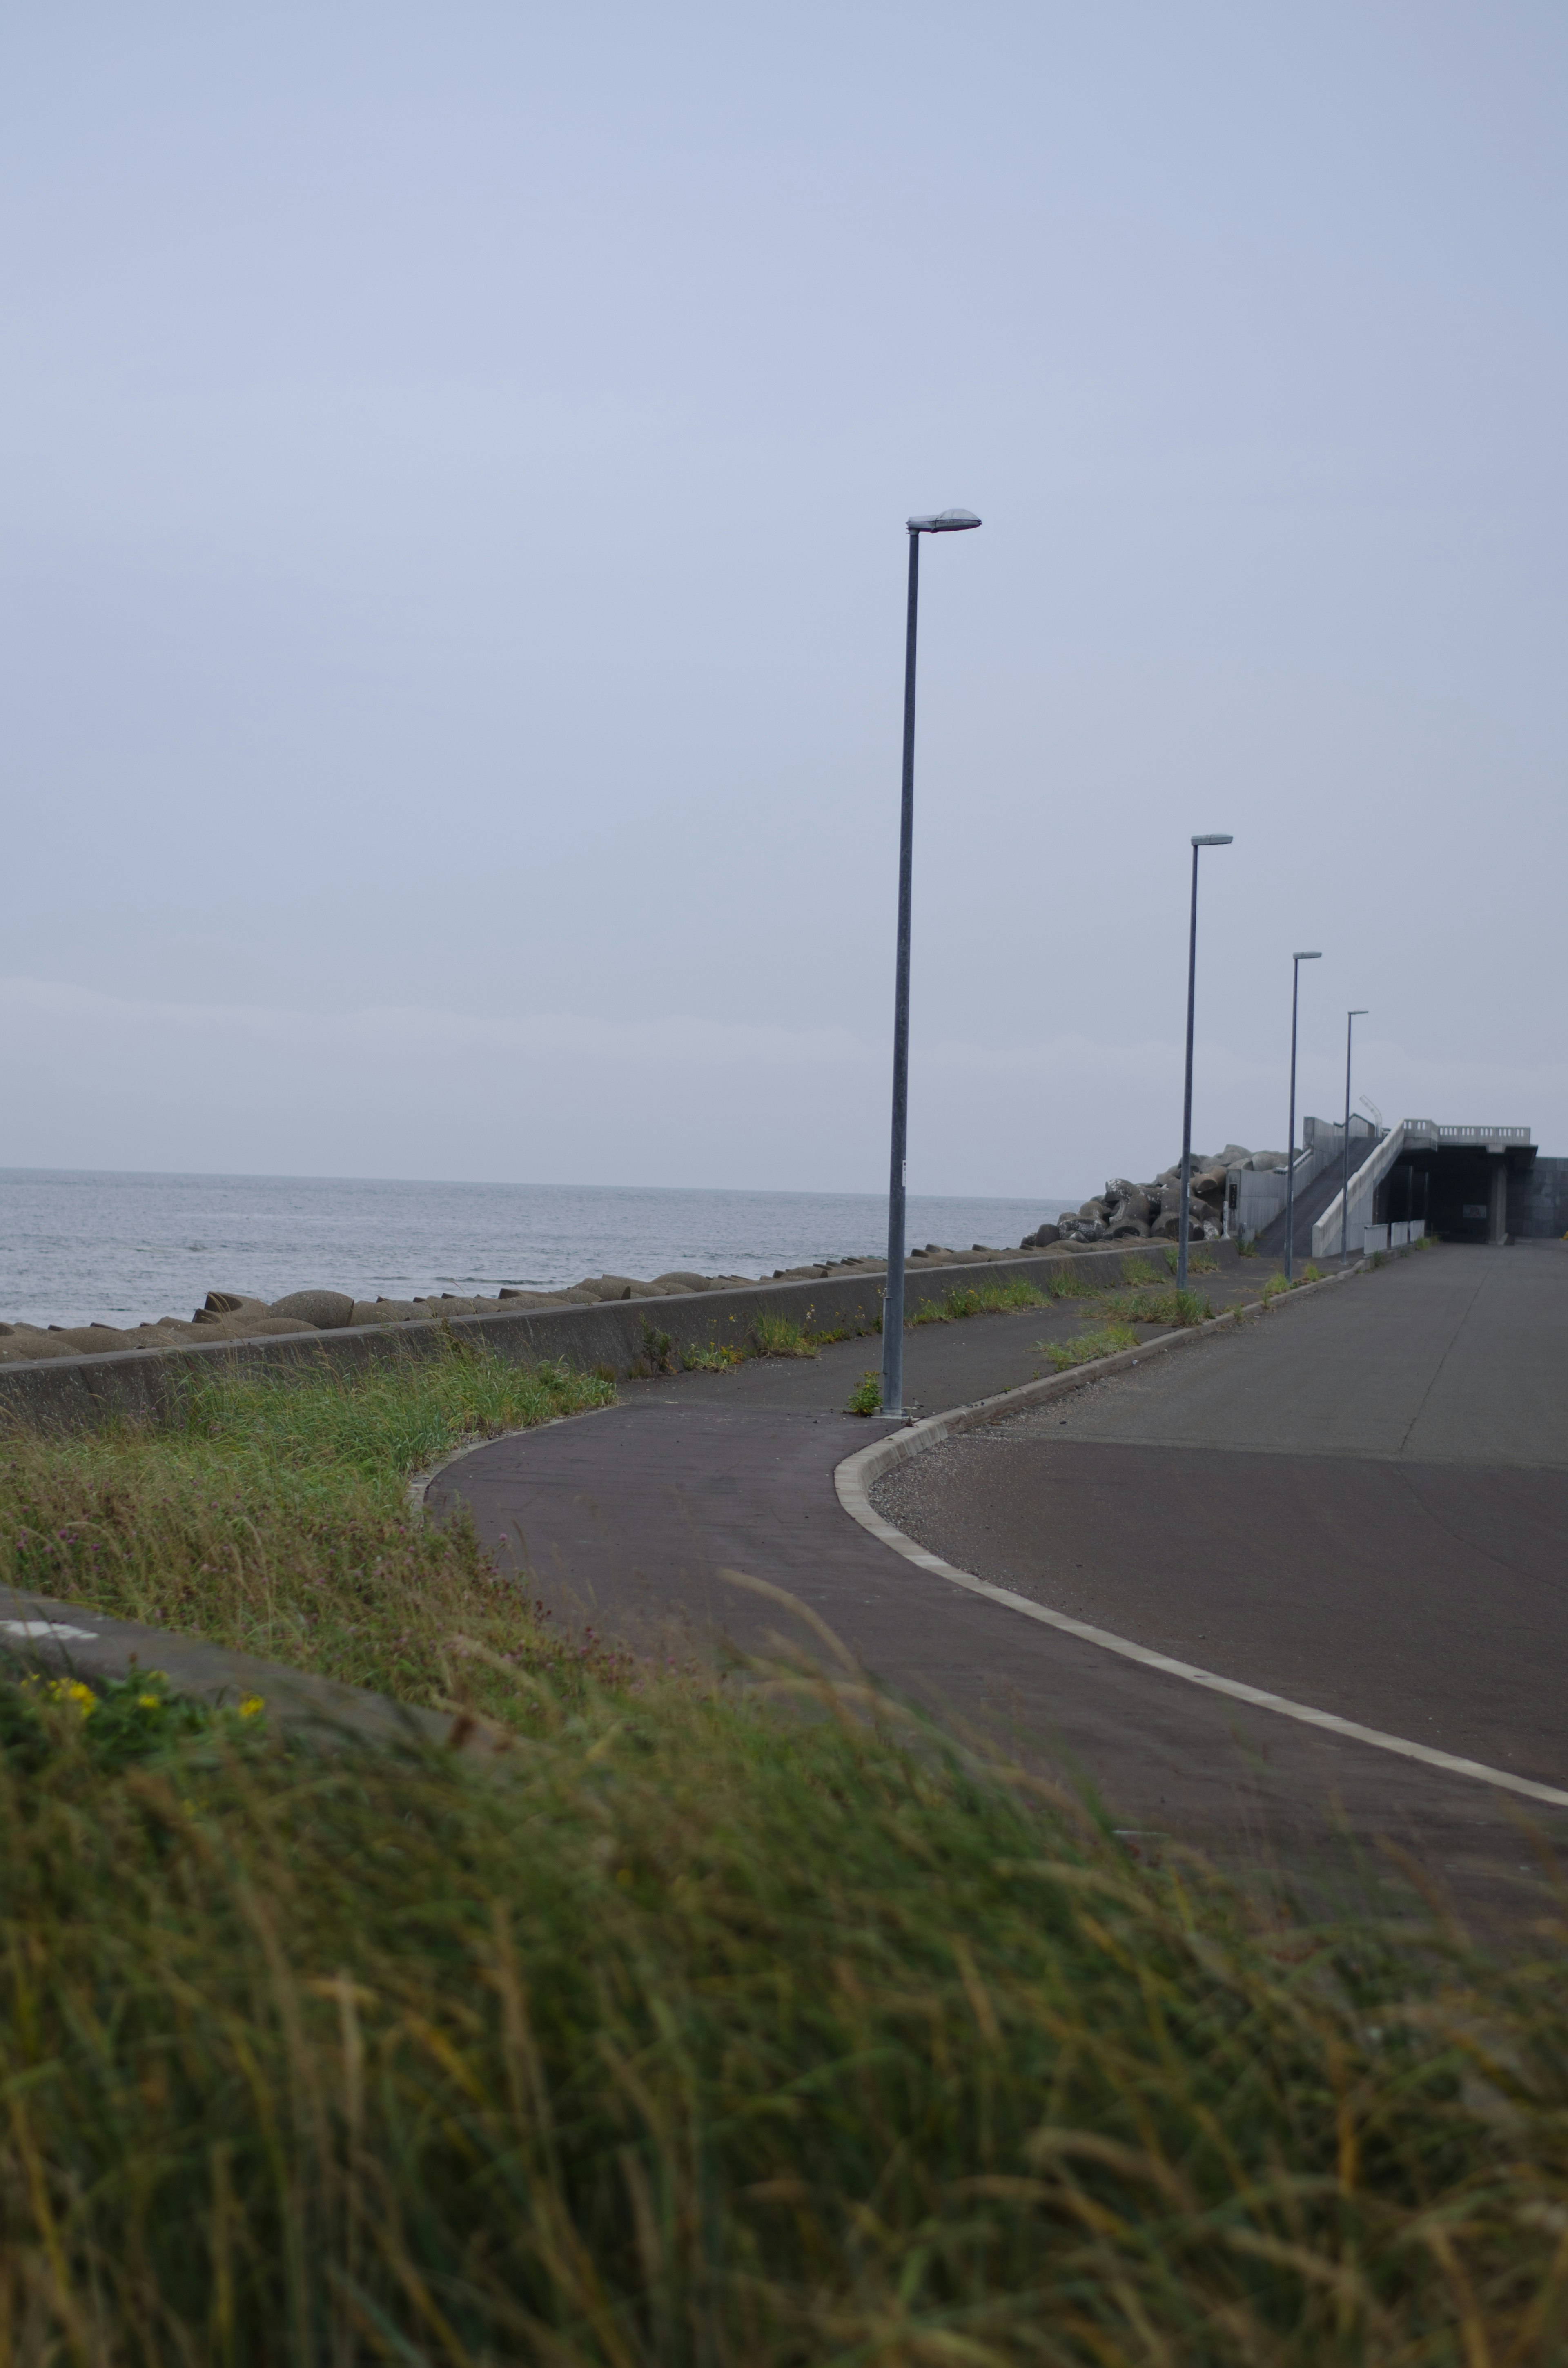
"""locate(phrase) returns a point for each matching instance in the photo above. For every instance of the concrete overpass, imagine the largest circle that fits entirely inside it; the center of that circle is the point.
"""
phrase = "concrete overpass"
(1481, 1183)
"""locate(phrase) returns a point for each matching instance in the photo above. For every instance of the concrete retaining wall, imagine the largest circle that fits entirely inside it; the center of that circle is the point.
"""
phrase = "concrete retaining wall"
(80, 1393)
(1254, 1199)
(1537, 1199)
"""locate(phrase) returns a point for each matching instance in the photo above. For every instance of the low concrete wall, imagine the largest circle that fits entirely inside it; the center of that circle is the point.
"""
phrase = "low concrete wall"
(1253, 1198)
(80, 1393)
(1401, 1234)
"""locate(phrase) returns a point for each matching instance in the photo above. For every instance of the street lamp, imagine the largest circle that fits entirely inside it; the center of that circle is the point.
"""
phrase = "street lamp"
(1296, 961)
(1211, 838)
(1350, 1019)
(943, 522)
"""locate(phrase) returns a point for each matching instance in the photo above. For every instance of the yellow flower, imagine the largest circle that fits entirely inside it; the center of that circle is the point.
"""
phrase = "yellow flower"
(149, 1701)
(253, 1705)
(72, 1690)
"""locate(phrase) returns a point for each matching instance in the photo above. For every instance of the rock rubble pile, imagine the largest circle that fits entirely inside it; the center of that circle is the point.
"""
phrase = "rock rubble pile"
(1128, 1212)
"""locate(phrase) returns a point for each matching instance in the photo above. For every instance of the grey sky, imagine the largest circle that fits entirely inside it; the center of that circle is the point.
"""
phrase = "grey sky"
(456, 461)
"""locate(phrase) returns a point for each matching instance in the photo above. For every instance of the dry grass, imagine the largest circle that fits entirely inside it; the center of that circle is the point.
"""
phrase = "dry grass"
(702, 2035)
(274, 1517)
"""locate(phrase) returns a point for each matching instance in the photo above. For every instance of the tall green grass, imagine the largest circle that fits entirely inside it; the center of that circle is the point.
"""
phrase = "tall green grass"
(273, 1514)
(702, 2037)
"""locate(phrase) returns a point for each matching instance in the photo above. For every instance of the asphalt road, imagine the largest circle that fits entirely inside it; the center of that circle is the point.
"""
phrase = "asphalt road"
(1361, 1503)
(1225, 1518)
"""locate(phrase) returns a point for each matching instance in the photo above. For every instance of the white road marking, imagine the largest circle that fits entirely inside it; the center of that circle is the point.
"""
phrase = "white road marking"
(44, 1628)
(854, 1475)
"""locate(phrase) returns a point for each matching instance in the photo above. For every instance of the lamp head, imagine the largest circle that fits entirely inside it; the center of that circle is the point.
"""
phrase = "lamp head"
(1306, 958)
(1214, 838)
(1358, 1014)
(944, 522)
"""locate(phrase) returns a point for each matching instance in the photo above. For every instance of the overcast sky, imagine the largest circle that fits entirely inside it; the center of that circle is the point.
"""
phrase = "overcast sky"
(456, 460)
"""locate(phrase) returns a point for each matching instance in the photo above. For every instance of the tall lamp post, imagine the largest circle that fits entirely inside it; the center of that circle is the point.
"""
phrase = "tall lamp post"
(1212, 839)
(944, 522)
(1296, 961)
(1350, 1019)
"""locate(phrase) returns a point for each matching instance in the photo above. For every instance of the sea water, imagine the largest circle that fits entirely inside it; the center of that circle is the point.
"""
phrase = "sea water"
(76, 1245)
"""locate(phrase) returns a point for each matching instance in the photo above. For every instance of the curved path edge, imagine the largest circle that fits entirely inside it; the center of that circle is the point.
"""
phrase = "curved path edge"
(855, 1477)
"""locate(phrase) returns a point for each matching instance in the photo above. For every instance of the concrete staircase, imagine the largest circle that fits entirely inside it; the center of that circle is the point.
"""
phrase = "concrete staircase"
(1312, 1200)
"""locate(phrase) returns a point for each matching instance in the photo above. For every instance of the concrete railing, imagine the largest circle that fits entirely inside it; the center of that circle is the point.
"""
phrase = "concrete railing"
(1426, 1129)
(1364, 1185)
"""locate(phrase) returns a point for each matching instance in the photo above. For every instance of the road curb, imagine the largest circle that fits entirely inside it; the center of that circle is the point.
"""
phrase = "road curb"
(856, 1475)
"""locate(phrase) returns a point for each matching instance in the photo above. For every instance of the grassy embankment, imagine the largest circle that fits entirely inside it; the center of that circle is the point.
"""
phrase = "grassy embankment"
(698, 2034)
(273, 1516)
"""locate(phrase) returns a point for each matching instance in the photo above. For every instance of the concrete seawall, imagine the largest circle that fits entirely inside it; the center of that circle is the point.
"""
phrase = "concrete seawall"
(80, 1393)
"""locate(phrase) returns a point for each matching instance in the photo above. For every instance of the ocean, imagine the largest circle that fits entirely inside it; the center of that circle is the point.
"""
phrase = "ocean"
(77, 1246)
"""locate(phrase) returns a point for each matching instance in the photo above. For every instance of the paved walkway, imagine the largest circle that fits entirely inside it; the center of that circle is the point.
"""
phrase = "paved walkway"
(628, 1518)
(1361, 1504)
